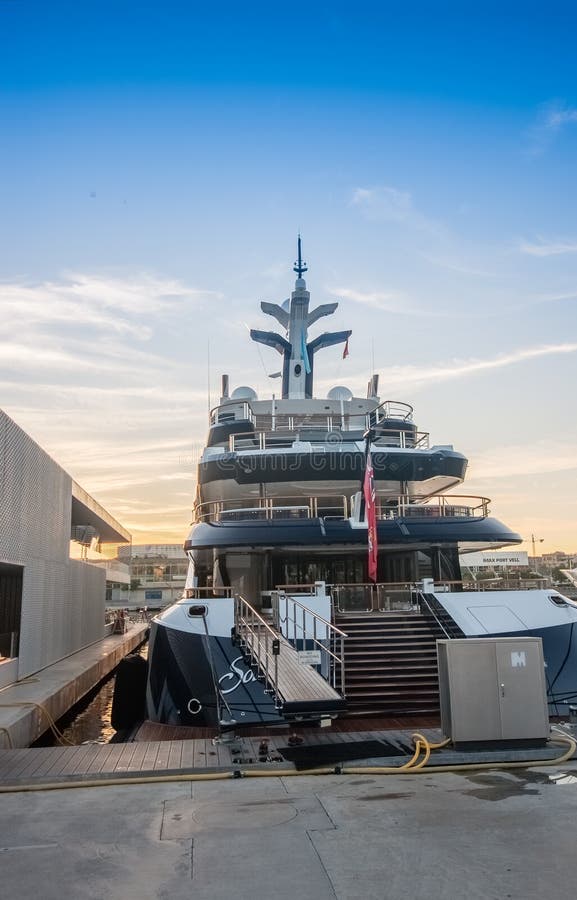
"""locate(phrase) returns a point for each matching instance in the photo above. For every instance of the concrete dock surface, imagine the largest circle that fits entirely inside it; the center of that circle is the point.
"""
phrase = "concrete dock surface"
(489, 835)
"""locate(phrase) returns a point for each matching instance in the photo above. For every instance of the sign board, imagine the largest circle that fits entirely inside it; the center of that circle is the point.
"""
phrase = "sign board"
(495, 560)
(310, 657)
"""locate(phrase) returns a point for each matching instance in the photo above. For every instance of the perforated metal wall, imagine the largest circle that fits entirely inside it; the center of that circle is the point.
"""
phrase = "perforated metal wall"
(62, 599)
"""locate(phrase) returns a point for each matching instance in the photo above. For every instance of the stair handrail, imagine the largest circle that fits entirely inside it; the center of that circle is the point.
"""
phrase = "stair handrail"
(423, 600)
(335, 635)
(265, 645)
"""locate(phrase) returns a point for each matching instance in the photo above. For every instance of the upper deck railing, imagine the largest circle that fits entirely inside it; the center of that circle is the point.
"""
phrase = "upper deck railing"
(391, 423)
(344, 418)
(340, 507)
(322, 434)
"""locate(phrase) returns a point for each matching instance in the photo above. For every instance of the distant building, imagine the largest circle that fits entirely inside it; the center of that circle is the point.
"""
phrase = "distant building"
(559, 559)
(52, 575)
(157, 575)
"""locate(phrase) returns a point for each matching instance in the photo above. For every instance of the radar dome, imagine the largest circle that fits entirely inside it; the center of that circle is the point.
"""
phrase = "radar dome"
(244, 393)
(340, 393)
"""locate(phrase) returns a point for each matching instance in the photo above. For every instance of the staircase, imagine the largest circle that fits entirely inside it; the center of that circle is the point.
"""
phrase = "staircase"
(390, 663)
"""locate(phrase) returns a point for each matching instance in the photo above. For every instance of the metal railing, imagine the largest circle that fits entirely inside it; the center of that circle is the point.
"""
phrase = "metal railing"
(507, 584)
(339, 507)
(276, 420)
(221, 415)
(259, 641)
(369, 597)
(202, 593)
(392, 409)
(428, 607)
(439, 506)
(291, 618)
(332, 435)
(249, 509)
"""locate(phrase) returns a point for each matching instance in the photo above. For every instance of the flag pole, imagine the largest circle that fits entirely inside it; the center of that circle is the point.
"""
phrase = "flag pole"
(368, 508)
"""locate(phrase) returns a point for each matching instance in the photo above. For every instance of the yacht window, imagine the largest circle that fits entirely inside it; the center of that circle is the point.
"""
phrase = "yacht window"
(557, 599)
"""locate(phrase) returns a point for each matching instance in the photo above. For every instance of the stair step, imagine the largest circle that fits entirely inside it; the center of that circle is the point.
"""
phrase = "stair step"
(391, 663)
(394, 671)
(394, 692)
(391, 647)
(379, 653)
(383, 689)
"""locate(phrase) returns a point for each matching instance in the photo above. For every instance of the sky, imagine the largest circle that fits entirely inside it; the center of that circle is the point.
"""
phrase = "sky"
(157, 161)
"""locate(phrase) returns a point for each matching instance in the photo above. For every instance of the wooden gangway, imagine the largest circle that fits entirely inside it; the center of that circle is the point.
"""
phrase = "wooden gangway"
(299, 689)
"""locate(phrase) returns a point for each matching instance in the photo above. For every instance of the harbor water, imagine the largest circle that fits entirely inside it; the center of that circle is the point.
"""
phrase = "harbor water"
(89, 720)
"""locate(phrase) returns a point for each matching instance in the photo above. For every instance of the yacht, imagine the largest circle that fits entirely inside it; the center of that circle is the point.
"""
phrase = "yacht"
(324, 556)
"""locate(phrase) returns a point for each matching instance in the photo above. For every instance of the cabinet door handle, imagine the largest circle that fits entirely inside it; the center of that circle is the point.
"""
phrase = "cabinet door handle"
(502, 690)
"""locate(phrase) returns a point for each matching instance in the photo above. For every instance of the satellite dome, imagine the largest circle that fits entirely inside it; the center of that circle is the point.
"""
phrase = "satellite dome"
(339, 392)
(244, 393)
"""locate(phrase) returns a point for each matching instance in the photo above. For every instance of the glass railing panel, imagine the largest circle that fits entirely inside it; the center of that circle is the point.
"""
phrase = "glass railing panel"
(352, 597)
(392, 598)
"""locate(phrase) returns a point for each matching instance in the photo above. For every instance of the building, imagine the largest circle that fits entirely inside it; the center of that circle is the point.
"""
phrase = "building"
(51, 604)
(157, 575)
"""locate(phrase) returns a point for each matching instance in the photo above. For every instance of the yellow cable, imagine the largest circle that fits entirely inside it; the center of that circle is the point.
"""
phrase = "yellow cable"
(51, 723)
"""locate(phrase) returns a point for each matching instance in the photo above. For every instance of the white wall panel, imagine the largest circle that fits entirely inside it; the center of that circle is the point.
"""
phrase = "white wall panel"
(62, 600)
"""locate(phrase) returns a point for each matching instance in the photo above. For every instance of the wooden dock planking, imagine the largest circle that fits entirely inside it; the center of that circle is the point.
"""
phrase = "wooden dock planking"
(161, 761)
(137, 761)
(14, 762)
(175, 755)
(100, 759)
(187, 760)
(24, 766)
(150, 756)
(125, 759)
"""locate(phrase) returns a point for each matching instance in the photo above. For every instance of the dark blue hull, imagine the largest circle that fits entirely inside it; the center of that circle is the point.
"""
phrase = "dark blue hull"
(185, 671)
(560, 653)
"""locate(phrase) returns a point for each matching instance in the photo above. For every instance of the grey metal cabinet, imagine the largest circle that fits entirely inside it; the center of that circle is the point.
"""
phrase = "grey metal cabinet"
(493, 689)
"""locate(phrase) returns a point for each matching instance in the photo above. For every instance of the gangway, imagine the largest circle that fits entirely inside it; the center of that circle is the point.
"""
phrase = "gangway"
(300, 691)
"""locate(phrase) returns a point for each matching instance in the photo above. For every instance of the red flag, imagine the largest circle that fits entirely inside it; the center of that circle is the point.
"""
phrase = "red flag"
(371, 517)
(346, 350)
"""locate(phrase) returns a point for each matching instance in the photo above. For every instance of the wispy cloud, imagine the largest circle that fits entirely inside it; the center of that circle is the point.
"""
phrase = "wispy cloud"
(462, 368)
(112, 304)
(89, 323)
(457, 263)
(387, 204)
(96, 369)
(552, 119)
(387, 301)
(415, 376)
(543, 247)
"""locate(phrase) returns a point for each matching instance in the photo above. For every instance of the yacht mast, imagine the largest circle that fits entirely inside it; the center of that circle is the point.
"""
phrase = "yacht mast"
(297, 352)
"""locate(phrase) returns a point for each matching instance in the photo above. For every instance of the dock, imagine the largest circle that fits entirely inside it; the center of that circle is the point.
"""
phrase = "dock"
(237, 756)
(27, 706)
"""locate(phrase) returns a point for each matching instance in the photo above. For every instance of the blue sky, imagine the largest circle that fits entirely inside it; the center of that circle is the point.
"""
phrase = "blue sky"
(156, 163)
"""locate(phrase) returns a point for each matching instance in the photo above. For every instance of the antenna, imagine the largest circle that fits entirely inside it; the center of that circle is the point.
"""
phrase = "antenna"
(208, 377)
(300, 266)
